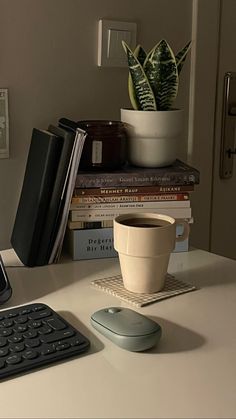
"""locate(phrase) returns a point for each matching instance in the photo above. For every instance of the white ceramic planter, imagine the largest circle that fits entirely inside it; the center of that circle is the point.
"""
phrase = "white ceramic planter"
(154, 136)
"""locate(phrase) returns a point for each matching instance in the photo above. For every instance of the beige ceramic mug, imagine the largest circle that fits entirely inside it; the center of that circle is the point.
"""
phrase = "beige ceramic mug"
(144, 243)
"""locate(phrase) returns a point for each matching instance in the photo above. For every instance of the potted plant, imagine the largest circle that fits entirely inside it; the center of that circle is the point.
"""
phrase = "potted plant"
(154, 125)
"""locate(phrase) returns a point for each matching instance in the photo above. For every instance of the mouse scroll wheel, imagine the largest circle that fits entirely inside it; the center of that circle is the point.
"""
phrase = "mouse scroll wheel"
(114, 310)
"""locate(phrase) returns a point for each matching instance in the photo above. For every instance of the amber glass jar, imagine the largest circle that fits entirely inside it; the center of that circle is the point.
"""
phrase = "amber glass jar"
(105, 145)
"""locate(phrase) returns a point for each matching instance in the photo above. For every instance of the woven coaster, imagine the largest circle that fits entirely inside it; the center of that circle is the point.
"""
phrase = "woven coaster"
(114, 285)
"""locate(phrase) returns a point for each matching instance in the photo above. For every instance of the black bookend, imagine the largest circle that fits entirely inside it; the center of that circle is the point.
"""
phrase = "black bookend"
(40, 174)
(57, 197)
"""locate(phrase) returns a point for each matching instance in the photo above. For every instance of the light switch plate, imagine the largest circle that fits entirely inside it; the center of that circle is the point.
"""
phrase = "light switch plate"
(4, 124)
(110, 35)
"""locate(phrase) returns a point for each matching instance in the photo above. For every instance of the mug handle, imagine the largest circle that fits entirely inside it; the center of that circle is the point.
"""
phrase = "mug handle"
(186, 231)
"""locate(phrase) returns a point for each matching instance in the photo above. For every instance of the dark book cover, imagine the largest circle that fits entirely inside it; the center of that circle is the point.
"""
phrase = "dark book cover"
(40, 173)
(57, 197)
(179, 173)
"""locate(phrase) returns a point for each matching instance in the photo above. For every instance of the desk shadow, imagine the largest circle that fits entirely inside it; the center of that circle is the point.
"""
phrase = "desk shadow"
(217, 273)
(175, 338)
(95, 344)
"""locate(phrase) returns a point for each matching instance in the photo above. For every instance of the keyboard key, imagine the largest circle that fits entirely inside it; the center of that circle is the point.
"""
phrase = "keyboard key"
(32, 343)
(13, 359)
(62, 346)
(6, 323)
(39, 307)
(56, 324)
(5, 332)
(30, 354)
(35, 324)
(45, 330)
(21, 319)
(15, 338)
(30, 334)
(25, 311)
(20, 328)
(11, 315)
(18, 347)
(39, 314)
(2, 363)
(57, 336)
(48, 350)
(76, 342)
(4, 351)
(3, 342)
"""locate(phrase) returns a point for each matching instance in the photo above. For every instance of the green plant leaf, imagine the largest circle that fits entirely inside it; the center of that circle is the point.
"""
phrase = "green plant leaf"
(181, 56)
(143, 91)
(161, 70)
(141, 55)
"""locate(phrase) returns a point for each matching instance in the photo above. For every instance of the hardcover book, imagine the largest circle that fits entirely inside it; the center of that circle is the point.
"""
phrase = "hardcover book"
(179, 173)
(57, 197)
(40, 173)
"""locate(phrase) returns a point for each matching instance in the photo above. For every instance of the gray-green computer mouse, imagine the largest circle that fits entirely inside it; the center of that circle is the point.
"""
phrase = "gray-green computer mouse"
(127, 328)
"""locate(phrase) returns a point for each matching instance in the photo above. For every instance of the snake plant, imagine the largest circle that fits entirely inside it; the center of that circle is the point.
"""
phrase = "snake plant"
(154, 77)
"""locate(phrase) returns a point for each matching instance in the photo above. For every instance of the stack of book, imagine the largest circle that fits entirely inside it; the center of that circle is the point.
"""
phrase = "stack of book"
(101, 196)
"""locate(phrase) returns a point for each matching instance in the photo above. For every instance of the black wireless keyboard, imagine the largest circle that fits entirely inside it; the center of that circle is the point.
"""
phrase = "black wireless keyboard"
(34, 335)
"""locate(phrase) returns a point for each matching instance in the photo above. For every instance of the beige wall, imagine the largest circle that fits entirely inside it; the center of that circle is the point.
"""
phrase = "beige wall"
(48, 62)
(202, 113)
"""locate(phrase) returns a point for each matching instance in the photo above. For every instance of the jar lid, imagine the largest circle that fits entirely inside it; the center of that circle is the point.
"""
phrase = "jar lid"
(105, 126)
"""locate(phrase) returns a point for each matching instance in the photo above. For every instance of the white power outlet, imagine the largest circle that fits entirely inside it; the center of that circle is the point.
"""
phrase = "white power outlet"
(4, 124)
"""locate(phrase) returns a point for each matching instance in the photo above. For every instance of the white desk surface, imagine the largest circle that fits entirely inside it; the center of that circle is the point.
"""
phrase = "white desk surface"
(190, 374)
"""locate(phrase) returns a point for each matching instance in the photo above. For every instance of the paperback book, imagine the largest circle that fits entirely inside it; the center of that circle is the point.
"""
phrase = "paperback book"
(80, 136)
(75, 225)
(149, 205)
(90, 199)
(98, 215)
(179, 173)
(132, 190)
(99, 243)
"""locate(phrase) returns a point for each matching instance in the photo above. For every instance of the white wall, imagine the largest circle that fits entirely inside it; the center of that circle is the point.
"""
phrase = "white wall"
(48, 62)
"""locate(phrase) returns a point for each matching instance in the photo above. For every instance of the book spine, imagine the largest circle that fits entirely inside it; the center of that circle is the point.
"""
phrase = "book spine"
(77, 225)
(97, 215)
(129, 198)
(180, 174)
(56, 202)
(150, 190)
(132, 205)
